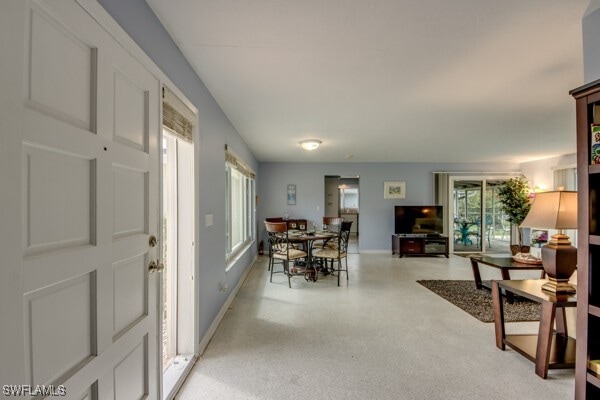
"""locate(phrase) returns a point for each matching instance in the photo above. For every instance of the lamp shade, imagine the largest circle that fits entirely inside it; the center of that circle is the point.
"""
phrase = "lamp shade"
(553, 210)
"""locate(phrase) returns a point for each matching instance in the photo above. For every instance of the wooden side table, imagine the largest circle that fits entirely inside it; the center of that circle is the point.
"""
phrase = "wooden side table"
(504, 264)
(548, 349)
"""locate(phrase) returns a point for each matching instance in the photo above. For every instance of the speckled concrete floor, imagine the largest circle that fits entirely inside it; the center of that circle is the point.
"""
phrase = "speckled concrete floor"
(381, 335)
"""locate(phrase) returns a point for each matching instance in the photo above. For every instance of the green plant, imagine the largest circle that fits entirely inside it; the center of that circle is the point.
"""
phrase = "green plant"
(514, 196)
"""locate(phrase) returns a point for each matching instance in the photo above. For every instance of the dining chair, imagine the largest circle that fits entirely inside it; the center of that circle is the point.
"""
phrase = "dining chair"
(282, 249)
(272, 219)
(327, 221)
(337, 251)
(330, 224)
(346, 227)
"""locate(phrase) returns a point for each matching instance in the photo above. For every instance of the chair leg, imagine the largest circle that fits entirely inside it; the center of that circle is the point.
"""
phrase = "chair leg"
(286, 266)
(340, 270)
(346, 262)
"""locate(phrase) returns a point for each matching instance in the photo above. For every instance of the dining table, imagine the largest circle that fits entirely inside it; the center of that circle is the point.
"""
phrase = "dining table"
(308, 240)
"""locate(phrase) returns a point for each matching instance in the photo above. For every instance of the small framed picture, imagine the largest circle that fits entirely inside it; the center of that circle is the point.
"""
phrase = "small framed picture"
(539, 237)
(291, 195)
(394, 190)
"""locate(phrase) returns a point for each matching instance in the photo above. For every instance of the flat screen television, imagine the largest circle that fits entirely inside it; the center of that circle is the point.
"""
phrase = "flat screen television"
(421, 220)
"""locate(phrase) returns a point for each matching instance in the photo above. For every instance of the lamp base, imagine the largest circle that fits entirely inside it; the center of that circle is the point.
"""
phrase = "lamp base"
(558, 287)
(560, 260)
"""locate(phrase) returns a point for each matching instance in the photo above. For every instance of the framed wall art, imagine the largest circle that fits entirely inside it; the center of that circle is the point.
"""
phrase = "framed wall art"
(291, 195)
(394, 190)
(539, 237)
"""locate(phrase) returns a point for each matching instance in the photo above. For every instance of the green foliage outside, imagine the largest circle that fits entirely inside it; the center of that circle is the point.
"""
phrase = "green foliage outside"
(514, 197)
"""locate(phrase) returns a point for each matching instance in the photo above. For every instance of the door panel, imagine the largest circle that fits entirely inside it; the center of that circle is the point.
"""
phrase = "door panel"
(131, 380)
(130, 293)
(130, 111)
(68, 308)
(71, 221)
(49, 74)
(129, 207)
(87, 126)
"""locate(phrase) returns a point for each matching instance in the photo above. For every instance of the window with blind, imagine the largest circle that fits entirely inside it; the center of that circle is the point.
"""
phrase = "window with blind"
(177, 117)
(240, 210)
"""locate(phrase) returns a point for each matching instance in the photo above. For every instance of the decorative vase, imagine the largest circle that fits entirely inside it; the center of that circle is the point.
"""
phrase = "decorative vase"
(515, 248)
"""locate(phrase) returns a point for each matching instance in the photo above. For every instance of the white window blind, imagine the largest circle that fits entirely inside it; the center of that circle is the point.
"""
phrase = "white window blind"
(236, 162)
(178, 118)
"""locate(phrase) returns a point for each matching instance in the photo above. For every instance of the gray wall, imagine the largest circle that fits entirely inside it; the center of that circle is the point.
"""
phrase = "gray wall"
(376, 213)
(591, 44)
(215, 130)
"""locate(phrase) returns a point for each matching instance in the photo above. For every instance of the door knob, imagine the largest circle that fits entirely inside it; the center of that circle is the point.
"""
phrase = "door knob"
(152, 241)
(155, 266)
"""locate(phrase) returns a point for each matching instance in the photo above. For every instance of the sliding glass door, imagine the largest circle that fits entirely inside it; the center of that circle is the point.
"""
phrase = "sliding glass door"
(466, 223)
(477, 223)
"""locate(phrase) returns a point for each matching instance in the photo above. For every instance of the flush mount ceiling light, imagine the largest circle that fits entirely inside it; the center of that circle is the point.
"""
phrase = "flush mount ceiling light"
(310, 144)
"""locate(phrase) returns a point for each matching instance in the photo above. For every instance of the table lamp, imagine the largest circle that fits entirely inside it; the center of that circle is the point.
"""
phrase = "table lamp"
(556, 210)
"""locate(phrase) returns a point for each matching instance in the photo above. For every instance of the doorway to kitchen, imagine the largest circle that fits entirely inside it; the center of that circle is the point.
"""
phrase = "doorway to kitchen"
(342, 195)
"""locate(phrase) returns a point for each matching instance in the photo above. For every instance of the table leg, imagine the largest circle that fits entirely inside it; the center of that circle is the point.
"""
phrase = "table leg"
(544, 344)
(510, 297)
(561, 322)
(476, 275)
(310, 245)
(498, 316)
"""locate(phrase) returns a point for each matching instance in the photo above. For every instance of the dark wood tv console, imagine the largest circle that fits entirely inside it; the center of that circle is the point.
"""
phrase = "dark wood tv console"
(419, 245)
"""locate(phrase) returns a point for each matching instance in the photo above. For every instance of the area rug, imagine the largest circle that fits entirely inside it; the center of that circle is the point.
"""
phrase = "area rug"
(478, 302)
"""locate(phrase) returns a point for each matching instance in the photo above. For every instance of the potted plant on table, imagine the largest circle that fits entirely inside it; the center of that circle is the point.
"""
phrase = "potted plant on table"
(514, 197)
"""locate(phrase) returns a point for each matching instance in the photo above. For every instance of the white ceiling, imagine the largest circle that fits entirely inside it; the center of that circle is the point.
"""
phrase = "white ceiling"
(389, 80)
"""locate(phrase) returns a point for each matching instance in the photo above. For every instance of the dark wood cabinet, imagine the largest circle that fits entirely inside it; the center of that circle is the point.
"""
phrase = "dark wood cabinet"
(419, 245)
(411, 246)
(587, 365)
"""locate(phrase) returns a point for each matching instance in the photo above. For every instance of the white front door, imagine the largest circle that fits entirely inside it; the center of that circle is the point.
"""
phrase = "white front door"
(81, 206)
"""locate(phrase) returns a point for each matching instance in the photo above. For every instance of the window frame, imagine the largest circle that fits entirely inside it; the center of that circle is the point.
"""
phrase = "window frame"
(239, 182)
